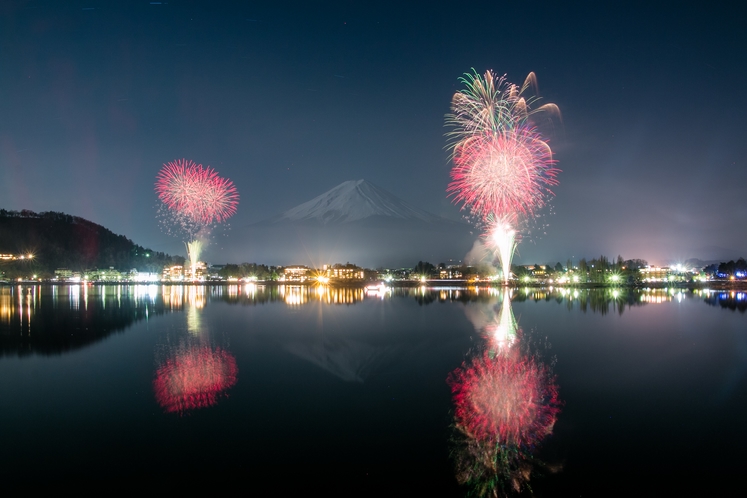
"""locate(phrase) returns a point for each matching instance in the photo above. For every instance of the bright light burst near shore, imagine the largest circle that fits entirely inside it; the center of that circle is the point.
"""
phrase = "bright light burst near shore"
(503, 168)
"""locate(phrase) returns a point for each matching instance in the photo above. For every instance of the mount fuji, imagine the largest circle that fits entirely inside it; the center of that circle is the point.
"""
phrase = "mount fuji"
(353, 201)
(355, 222)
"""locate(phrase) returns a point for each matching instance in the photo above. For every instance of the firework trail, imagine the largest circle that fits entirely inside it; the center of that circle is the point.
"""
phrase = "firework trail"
(503, 168)
(194, 200)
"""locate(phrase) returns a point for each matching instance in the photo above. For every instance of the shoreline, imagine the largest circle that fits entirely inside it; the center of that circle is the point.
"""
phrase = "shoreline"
(725, 285)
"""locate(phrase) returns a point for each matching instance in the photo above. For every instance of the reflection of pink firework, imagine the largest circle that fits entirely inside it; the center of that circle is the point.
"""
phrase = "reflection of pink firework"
(509, 399)
(196, 192)
(194, 378)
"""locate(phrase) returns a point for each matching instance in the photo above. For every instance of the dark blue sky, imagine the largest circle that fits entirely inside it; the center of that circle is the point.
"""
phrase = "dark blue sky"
(290, 101)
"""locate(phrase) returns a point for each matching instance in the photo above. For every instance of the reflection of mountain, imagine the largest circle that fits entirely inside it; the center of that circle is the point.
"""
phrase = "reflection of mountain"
(350, 360)
(50, 320)
(357, 222)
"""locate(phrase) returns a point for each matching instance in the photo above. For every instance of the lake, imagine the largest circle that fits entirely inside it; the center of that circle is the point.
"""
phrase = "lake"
(555, 392)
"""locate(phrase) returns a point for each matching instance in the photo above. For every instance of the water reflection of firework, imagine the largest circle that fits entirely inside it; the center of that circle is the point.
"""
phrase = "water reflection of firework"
(506, 404)
(194, 377)
(505, 397)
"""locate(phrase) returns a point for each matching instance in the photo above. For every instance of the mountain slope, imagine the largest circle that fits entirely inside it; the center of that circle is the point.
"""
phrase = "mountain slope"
(354, 222)
(59, 240)
(353, 201)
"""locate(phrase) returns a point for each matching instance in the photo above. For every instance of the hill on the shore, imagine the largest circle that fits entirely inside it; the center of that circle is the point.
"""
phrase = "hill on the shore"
(59, 240)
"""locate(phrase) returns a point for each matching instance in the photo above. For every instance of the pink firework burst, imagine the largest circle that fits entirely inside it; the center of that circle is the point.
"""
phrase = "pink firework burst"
(509, 399)
(502, 165)
(196, 192)
(502, 174)
(194, 378)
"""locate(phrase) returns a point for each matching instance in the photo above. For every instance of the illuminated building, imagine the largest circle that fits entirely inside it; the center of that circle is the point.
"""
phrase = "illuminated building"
(110, 275)
(298, 273)
(654, 274)
(200, 271)
(173, 273)
(344, 272)
(66, 275)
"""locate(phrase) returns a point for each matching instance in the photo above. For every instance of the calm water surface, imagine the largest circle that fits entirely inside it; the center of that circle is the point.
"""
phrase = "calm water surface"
(359, 392)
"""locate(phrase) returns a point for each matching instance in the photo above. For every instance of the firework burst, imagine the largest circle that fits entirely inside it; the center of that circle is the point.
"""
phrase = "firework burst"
(503, 168)
(196, 192)
(194, 200)
(502, 174)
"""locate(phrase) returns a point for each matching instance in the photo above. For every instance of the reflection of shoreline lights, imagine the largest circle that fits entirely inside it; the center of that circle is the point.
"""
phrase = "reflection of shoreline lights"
(508, 399)
(293, 295)
(379, 291)
(194, 378)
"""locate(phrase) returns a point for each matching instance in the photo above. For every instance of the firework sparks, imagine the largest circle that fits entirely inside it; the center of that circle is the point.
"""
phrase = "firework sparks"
(195, 377)
(503, 174)
(197, 192)
(194, 199)
(503, 167)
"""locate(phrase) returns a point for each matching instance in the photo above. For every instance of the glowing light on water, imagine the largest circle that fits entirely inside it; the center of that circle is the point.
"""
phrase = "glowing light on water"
(194, 377)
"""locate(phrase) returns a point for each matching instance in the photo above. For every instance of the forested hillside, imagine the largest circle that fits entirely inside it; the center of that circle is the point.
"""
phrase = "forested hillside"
(59, 240)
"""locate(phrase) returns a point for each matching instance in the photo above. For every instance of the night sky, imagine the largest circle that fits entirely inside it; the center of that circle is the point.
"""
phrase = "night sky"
(288, 101)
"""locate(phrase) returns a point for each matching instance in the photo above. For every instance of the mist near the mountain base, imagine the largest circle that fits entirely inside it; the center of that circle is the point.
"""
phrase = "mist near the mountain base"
(371, 243)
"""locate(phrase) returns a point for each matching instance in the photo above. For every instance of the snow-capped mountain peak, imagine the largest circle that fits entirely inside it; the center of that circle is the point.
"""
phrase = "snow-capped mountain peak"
(352, 201)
